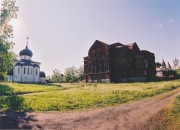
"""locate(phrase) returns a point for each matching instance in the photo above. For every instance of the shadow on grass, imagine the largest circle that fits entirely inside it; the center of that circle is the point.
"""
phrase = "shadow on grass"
(12, 110)
(5, 90)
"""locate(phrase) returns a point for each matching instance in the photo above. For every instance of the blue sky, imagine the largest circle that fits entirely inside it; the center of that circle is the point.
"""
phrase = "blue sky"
(62, 31)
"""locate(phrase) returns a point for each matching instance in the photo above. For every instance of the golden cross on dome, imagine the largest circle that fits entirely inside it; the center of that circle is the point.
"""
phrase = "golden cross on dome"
(27, 40)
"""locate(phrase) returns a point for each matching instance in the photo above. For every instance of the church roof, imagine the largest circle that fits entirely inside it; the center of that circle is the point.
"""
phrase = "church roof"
(26, 51)
(27, 63)
(34, 62)
(35, 65)
(10, 72)
(18, 64)
(42, 74)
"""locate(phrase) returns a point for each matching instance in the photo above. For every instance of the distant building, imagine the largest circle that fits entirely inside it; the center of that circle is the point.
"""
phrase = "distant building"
(165, 71)
(118, 63)
(176, 64)
(162, 71)
(168, 66)
(25, 70)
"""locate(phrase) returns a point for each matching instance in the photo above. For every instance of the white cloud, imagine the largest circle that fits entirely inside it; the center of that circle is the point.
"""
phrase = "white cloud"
(158, 26)
(170, 21)
(169, 24)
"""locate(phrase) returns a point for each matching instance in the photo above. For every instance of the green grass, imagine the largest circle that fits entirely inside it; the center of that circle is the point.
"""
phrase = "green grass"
(16, 88)
(178, 73)
(76, 96)
(171, 116)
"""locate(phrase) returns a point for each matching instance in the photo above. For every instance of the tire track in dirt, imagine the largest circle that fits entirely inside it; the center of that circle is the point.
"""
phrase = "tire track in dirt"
(130, 116)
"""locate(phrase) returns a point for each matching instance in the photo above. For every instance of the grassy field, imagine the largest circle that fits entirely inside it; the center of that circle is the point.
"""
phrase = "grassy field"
(31, 97)
(171, 116)
(15, 88)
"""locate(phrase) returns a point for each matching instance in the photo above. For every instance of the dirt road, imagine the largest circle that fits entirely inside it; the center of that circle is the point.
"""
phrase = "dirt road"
(132, 116)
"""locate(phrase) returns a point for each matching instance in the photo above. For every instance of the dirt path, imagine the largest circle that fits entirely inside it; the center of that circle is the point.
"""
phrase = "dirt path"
(133, 116)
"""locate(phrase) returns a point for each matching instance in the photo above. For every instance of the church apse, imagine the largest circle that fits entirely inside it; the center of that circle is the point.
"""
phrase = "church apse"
(26, 70)
(118, 63)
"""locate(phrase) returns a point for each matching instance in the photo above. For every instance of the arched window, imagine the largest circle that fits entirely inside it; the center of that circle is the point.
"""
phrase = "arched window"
(18, 70)
(28, 71)
(24, 70)
(36, 71)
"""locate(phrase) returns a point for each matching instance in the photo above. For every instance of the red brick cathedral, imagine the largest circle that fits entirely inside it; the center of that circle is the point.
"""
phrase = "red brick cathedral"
(118, 63)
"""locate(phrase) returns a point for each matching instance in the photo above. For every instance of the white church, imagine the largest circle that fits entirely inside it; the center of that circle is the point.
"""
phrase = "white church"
(25, 70)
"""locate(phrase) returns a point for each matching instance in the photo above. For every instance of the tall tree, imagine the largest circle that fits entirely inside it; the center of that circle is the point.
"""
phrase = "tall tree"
(70, 74)
(56, 77)
(73, 74)
(80, 72)
(8, 11)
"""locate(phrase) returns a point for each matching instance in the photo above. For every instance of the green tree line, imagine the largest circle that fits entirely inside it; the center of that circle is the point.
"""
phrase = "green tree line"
(70, 75)
(8, 11)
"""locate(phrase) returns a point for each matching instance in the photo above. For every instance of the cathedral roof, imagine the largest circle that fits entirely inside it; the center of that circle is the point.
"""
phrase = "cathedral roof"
(117, 44)
(98, 46)
(133, 46)
(26, 51)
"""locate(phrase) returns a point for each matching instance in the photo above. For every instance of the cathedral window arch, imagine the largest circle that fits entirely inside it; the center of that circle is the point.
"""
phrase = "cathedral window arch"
(117, 67)
(102, 67)
(91, 68)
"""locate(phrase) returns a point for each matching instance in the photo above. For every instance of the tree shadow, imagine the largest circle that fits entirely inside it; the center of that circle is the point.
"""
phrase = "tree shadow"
(17, 120)
(5, 90)
(13, 111)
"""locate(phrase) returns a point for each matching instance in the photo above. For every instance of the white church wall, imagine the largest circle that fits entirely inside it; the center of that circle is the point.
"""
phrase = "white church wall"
(10, 78)
(42, 80)
(36, 74)
(17, 74)
(24, 73)
(27, 76)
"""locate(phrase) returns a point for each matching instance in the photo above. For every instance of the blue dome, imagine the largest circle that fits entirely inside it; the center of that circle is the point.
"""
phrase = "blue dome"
(26, 52)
